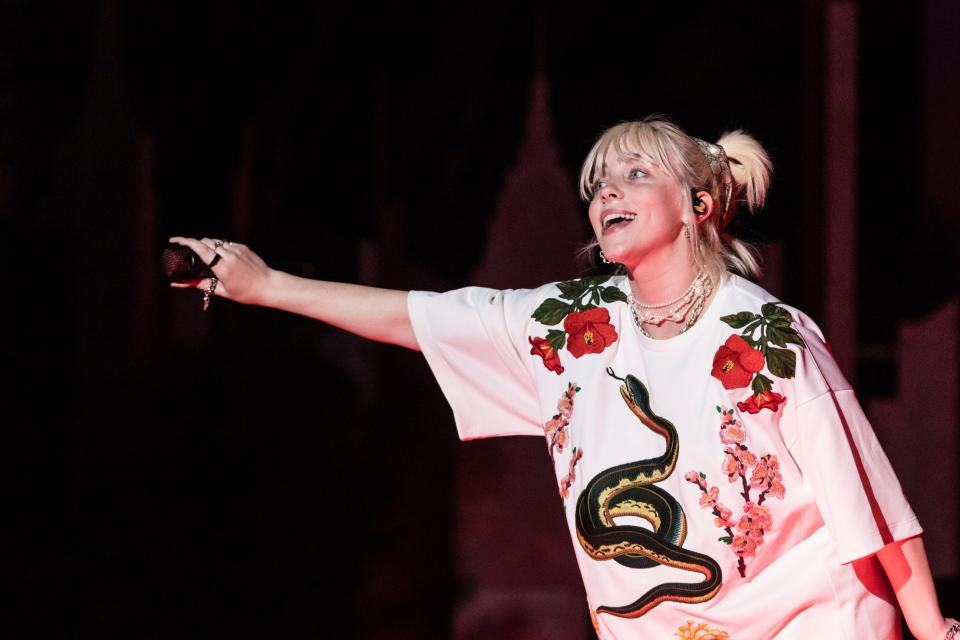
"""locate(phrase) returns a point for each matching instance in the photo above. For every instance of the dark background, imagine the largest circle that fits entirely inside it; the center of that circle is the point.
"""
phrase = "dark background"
(252, 474)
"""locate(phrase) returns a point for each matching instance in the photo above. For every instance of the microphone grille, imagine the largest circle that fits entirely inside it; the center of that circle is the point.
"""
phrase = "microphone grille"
(179, 263)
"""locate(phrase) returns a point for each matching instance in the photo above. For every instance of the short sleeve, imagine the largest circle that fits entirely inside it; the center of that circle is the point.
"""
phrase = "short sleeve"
(468, 337)
(833, 443)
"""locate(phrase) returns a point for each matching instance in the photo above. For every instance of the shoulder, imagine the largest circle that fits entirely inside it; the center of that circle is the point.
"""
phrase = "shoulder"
(792, 342)
(548, 304)
(753, 298)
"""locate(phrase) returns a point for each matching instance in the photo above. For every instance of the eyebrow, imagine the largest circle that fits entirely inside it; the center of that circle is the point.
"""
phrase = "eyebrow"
(631, 157)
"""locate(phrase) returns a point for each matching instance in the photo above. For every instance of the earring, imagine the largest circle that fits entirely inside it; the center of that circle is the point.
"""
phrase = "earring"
(686, 230)
(604, 258)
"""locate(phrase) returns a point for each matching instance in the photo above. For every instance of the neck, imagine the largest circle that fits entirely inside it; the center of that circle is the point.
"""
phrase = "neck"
(655, 284)
(677, 303)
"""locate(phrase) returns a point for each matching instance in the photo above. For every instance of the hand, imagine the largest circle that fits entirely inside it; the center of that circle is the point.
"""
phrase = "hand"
(242, 275)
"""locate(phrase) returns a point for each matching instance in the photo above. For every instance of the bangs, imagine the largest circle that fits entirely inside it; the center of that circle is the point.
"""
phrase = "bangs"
(641, 140)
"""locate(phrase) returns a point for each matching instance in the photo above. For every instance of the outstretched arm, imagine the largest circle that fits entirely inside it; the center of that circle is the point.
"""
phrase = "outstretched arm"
(906, 566)
(369, 312)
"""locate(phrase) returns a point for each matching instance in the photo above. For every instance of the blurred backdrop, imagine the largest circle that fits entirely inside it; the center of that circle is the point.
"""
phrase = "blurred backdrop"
(249, 474)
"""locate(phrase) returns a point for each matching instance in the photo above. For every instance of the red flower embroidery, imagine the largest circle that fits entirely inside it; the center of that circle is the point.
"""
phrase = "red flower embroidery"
(735, 363)
(764, 400)
(543, 348)
(589, 331)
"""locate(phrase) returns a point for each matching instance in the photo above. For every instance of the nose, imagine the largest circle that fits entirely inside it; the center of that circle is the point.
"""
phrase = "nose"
(609, 192)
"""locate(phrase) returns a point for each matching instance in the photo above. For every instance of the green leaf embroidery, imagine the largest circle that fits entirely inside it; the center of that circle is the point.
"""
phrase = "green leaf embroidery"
(781, 362)
(556, 338)
(552, 311)
(739, 320)
(726, 540)
(770, 311)
(761, 384)
(781, 322)
(612, 294)
(572, 289)
(776, 336)
(794, 337)
(776, 332)
(781, 336)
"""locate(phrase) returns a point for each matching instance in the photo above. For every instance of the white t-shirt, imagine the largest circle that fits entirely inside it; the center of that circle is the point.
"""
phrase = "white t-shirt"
(716, 484)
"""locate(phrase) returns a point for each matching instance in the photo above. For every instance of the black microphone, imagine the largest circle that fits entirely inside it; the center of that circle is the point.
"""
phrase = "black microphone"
(179, 263)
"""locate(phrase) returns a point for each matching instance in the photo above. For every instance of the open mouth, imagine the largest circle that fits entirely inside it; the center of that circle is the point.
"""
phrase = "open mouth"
(617, 220)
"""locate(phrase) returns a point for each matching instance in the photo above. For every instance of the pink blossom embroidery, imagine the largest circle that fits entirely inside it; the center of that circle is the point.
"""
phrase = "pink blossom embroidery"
(565, 482)
(762, 474)
(556, 427)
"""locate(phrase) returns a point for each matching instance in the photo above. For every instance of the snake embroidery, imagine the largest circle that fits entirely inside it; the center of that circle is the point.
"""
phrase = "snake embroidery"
(629, 490)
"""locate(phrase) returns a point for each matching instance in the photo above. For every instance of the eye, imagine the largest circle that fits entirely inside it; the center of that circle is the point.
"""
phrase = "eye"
(596, 186)
(637, 173)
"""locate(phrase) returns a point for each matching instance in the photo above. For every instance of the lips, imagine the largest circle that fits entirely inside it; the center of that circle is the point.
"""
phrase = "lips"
(616, 218)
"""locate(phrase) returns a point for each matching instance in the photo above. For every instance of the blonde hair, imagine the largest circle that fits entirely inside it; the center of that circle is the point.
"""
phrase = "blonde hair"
(658, 140)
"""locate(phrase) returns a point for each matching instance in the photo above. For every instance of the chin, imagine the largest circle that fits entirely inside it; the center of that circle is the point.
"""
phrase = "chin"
(618, 253)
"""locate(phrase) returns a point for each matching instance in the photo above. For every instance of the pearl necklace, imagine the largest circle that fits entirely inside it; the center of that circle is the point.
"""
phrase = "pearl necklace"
(689, 303)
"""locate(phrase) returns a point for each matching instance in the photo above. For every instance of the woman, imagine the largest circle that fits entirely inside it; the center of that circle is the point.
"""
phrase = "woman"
(718, 475)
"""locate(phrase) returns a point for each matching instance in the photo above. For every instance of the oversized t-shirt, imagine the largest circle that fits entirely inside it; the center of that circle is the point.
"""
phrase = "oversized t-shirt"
(717, 484)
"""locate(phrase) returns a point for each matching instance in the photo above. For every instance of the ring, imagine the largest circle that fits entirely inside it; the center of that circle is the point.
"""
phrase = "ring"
(217, 244)
(209, 292)
(216, 259)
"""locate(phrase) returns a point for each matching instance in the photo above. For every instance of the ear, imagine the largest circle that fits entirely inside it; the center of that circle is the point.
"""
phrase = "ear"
(702, 205)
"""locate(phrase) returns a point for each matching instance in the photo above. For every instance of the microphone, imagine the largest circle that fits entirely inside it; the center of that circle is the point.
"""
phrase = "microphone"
(179, 263)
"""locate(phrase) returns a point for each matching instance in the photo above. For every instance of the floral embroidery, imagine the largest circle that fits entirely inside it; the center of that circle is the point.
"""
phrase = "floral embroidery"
(586, 325)
(763, 400)
(565, 482)
(700, 631)
(556, 427)
(760, 473)
(735, 363)
(556, 430)
(589, 331)
(543, 348)
(740, 360)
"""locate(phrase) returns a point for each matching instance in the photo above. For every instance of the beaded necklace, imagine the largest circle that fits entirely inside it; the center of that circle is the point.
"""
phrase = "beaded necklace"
(689, 304)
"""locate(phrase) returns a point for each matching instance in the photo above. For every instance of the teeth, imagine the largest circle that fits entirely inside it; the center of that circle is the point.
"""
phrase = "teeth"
(618, 217)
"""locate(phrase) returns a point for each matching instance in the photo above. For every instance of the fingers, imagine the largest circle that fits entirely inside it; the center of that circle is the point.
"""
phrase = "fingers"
(202, 249)
(194, 284)
(220, 290)
(210, 250)
(225, 259)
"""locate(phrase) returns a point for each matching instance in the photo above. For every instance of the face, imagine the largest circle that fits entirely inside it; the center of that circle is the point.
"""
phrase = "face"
(636, 211)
